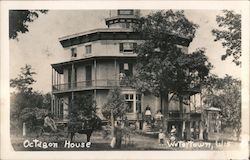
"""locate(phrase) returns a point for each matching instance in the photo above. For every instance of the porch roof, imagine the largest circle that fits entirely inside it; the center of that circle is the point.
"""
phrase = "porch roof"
(60, 66)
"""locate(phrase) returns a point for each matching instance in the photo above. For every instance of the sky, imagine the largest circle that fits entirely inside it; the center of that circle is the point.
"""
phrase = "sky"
(40, 46)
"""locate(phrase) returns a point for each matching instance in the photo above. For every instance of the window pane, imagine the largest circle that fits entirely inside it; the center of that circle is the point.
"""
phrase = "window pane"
(121, 47)
(130, 106)
(125, 12)
(131, 96)
(73, 52)
(129, 71)
(138, 97)
(125, 25)
(125, 66)
(88, 49)
(126, 96)
(127, 47)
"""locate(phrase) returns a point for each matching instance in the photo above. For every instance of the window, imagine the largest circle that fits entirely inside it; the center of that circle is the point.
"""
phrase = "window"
(73, 52)
(125, 66)
(125, 12)
(88, 49)
(134, 102)
(61, 109)
(125, 25)
(126, 69)
(88, 75)
(127, 47)
(129, 98)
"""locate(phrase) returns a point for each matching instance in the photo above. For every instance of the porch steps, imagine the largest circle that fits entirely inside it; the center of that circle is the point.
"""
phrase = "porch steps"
(147, 128)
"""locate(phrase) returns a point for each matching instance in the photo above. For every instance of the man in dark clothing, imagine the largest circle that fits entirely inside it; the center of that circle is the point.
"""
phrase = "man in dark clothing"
(205, 134)
(118, 135)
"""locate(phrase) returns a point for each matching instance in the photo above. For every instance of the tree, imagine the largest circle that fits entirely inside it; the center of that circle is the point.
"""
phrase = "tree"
(24, 80)
(33, 117)
(225, 93)
(230, 34)
(21, 101)
(115, 106)
(83, 107)
(25, 99)
(162, 67)
(18, 21)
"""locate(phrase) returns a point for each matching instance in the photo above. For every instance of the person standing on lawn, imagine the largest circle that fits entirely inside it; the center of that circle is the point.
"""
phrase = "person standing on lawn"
(148, 114)
(161, 137)
(118, 135)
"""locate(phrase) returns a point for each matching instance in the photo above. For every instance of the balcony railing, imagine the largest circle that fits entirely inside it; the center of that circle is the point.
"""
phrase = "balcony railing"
(183, 116)
(91, 84)
(178, 116)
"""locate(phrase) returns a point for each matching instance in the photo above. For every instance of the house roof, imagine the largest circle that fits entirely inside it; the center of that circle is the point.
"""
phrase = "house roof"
(113, 34)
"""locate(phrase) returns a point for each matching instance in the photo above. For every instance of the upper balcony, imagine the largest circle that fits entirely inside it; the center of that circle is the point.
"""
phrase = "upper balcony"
(89, 85)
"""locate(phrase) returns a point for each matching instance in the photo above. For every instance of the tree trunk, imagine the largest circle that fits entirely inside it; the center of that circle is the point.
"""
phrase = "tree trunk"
(112, 123)
(181, 112)
(181, 104)
(165, 107)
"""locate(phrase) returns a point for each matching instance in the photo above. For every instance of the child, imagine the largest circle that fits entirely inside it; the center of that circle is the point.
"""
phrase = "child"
(161, 137)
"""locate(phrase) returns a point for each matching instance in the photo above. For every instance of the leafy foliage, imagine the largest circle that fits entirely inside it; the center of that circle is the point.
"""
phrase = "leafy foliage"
(33, 116)
(225, 93)
(25, 79)
(164, 67)
(161, 23)
(18, 21)
(83, 107)
(229, 34)
(116, 104)
(26, 104)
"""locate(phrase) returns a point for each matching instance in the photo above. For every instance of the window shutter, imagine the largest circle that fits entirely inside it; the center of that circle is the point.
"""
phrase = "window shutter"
(130, 69)
(121, 47)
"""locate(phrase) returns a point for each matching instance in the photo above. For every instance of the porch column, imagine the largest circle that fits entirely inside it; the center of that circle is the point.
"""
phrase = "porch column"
(115, 63)
(52, 98)
(57, 75)
(59, 108)
(72, 103)
(56, 108)
(95, 69)
(73, 80)
(59, 82)
(52, 78)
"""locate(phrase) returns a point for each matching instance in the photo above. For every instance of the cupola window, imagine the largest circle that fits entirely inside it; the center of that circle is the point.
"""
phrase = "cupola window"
(125, 12)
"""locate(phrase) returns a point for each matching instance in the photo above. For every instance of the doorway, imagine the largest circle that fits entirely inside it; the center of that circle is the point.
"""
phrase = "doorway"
(88, 76)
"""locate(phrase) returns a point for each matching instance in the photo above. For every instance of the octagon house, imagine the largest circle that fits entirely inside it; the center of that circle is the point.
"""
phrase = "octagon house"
(101, 59)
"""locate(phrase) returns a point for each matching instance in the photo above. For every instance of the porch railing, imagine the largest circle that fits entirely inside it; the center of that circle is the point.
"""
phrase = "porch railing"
(178, 116)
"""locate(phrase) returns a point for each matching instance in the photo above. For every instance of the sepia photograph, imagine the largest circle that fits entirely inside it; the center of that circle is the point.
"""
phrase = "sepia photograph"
(127, 79)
